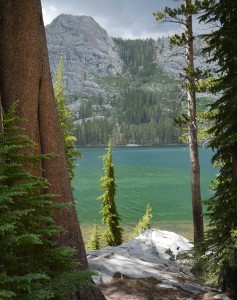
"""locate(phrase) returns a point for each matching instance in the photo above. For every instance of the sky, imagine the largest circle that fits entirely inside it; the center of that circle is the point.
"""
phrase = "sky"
(120, 18)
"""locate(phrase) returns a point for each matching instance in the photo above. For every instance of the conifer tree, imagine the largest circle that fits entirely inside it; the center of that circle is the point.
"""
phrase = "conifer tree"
(220, 241)
(110, 216)
(32, 264)
(65, 119)
(25, 76)
(145, 222)
(183, 16)
(94, 243)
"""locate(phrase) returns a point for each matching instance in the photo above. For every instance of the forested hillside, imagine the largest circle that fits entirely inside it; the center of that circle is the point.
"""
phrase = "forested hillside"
(129, 90)
(140, 104)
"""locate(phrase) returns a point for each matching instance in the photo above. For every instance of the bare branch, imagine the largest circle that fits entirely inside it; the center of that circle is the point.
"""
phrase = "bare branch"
(175, 20)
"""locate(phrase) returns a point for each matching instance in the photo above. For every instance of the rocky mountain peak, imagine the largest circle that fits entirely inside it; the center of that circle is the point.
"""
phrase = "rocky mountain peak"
(85, 48)
(78, 26)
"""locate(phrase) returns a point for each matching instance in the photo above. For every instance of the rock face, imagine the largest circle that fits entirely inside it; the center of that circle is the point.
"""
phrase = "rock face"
(158, 246)
(154, 253)
(86, 49)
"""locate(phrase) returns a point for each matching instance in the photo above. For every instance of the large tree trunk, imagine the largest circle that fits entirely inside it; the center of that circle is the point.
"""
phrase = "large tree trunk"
(25, 77)
(193, 143)
(234, 167)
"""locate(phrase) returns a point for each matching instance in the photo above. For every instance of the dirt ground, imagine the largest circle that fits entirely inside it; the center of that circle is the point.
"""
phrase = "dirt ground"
(148, 289)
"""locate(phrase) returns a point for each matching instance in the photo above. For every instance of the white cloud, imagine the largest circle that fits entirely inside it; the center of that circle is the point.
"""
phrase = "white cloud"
(50, 12)
(120, 18)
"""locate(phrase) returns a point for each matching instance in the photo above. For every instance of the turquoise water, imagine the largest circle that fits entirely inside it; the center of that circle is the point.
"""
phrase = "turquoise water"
(159, 175)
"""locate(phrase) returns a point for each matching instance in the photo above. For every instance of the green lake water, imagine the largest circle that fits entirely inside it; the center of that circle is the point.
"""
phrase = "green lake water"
(159, 175)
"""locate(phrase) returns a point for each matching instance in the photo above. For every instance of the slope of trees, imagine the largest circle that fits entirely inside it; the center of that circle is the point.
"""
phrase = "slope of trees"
(138, 107)
(140, 104)
(138, 55)
(141, 117)
(93, 132)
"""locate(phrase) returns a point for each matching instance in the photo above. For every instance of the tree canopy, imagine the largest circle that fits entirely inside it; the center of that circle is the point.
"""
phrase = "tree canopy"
(220, 241)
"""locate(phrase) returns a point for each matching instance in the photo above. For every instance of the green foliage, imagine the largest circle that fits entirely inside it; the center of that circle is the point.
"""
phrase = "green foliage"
(94, 132)
(85, 110)
(179, 13)
(181, 120)
(65, 120)
(204, 123)
(94, 242)
(110, 216)
(31, 262)
(220, 240)
(145, 222)
(146, 117)
(139, 107)
(139, 56)
(205, 85)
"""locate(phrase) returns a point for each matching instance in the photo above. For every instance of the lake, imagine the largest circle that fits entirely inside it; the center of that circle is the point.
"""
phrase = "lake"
(159, 175)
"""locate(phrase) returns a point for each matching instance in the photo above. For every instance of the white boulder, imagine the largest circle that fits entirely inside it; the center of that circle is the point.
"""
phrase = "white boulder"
(152, 253)
(153, 245)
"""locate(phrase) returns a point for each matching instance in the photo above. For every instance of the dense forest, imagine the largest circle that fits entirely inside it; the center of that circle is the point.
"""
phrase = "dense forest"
(141, 102)
(139, 56)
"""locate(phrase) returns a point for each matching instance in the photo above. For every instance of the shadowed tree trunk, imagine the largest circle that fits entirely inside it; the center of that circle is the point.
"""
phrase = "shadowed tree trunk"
(183, 17)
(193, 141)
(25, 77)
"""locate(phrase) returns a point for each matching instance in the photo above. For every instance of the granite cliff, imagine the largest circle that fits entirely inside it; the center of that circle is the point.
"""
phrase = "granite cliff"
(86, 50)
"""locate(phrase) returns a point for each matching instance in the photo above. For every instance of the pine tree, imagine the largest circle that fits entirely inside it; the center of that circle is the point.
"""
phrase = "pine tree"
(94, 242)
(183, 16)
(145, 222)
(65, 119)
(220, 241)
(32, 264)
(110, 216)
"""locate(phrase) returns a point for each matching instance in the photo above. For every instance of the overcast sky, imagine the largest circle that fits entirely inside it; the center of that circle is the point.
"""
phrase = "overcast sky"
(120, 18)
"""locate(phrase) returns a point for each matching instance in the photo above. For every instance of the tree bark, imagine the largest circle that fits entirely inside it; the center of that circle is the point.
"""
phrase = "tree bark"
(193, 142)
(234, 167)
(25, 77)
